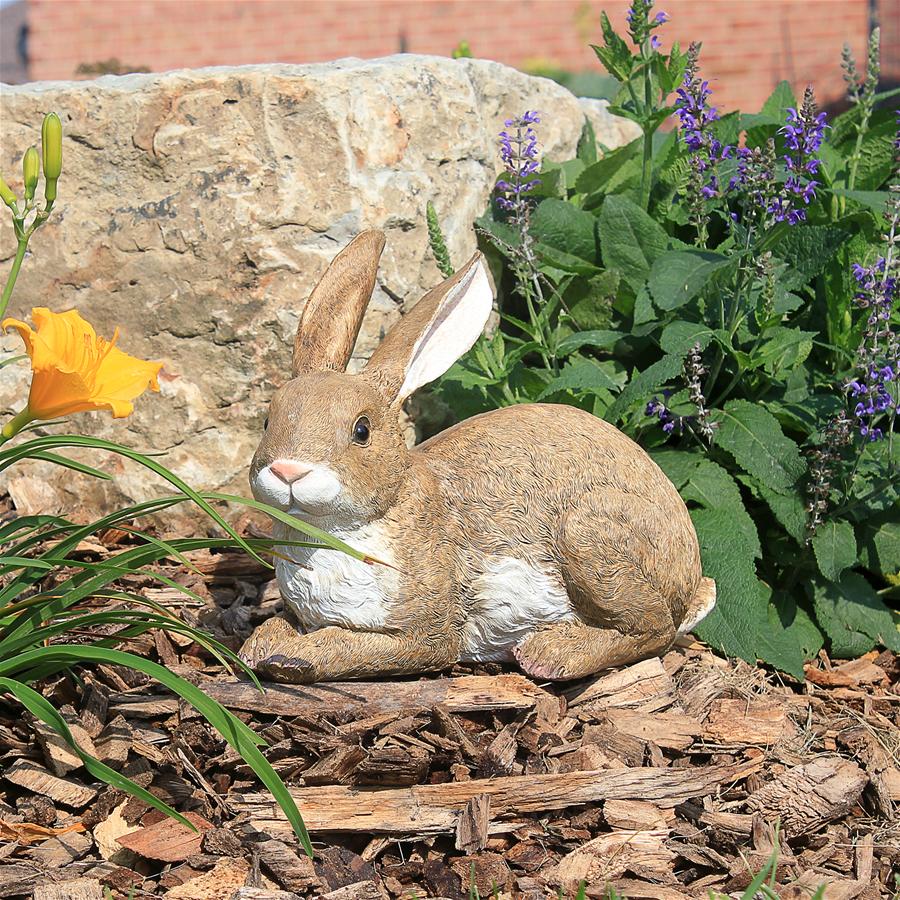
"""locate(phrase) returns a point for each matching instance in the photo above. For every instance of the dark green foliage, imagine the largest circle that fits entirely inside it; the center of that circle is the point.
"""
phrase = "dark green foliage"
(645, 292)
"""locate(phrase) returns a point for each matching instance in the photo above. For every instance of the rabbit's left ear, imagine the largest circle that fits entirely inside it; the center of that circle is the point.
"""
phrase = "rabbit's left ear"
(435, 333)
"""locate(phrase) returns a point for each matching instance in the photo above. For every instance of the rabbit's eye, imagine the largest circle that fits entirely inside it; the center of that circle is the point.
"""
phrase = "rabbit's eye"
(361, 431)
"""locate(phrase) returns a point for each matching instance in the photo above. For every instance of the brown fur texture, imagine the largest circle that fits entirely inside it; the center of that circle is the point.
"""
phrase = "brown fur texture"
(552, 488)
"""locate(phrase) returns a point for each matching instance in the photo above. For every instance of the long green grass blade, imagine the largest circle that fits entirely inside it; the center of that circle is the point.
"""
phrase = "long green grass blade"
(42, 709)
(29, 523)
(235, 732)
(73, 464)
(20, 451)
(322, 537)
(73, 538)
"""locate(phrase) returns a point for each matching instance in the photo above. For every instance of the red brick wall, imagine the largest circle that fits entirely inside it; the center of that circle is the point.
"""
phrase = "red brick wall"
(748, 44)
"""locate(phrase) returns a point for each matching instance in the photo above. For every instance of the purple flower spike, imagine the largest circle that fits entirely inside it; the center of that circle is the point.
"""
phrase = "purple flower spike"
(520, 155)
(877, 357)
(803, 134)
(696, 118)
(641, 25)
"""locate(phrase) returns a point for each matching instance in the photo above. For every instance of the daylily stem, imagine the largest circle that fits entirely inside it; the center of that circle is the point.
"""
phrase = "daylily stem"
(16, 424)
(13, 274)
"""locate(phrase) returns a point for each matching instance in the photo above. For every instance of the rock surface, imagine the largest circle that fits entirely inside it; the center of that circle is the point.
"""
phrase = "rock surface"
(197, 208)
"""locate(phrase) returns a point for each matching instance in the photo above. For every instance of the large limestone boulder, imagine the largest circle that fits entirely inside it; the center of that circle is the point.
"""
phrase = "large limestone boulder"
(197, 209)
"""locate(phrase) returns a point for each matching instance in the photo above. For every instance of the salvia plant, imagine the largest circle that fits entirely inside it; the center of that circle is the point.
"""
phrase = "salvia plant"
(60, 613)
(724, 290)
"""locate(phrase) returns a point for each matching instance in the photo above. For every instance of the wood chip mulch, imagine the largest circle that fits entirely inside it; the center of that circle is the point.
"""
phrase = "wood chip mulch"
(664, 779)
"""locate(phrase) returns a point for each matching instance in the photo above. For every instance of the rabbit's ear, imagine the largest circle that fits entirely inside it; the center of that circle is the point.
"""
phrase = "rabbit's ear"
(334, 311)
(435, 333)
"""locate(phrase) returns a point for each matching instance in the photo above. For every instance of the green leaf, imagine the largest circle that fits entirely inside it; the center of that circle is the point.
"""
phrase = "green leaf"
(11, 455)
(783, 348)
(601, 175)
(561, 225)
(644, 313)
(752, 435)
(874, 200)
(734, 624)
(630, 240)
(845, 126)
(600, 339)
(678, 276)
(779, 101)
(764, 124)
(73, 464)
(877, 155)
(786, 617)
(552, 181)
(567, 262)
(587, 143)
(582, 376)
(854, 616)
(780, 647)
(882, 548)
(615, 55)
(644, 383)
(809, 248)
(679, 337)
(788, 508)
(834, 545)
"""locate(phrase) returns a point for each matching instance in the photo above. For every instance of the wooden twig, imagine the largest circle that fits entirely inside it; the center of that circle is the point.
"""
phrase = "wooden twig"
(435, 808)
(469, 693)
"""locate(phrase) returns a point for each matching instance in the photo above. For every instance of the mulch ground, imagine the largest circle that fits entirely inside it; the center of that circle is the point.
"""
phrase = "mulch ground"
(665, 779)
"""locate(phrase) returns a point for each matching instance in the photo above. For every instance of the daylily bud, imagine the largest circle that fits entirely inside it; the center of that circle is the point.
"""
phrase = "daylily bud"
(8, 197)
(51, 144)
(31, 170)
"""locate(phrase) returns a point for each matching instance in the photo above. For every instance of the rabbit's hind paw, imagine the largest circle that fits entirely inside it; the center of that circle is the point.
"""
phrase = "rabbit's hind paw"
(569, 650)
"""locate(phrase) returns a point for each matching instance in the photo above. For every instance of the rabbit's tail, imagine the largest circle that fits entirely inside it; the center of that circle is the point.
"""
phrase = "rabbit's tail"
(699, 606)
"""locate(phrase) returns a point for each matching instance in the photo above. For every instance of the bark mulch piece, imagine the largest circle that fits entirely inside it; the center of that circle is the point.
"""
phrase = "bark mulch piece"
(663, 779)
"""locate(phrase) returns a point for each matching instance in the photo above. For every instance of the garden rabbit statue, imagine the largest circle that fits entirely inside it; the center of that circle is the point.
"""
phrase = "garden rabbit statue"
(536, 533)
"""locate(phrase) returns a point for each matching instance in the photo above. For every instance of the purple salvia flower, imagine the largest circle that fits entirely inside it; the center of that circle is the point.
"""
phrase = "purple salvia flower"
(641, 25)
(520, 155)
(877, 356)
(696, 117)
(657, 408)
(803, 136)
(700, 423)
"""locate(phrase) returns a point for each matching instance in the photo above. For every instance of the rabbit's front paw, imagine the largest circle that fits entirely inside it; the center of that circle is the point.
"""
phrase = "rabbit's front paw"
(287, 669)
(274, 650)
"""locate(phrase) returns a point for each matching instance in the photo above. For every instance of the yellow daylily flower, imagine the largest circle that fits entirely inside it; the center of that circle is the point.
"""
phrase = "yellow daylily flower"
(73, 370)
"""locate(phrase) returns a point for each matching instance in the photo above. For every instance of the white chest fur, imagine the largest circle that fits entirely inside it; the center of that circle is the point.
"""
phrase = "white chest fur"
(328, 587)
(509, 600)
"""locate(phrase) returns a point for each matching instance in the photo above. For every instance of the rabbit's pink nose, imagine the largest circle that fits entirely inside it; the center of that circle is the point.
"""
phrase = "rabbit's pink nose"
(289, 471)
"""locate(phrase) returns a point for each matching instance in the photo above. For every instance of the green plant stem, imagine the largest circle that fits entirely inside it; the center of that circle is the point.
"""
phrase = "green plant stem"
(647, 166)
(13, 274)
(857, 150)
(732, 324)
(16, 424)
